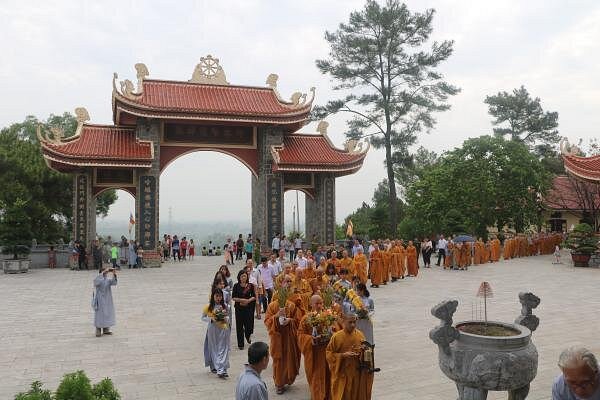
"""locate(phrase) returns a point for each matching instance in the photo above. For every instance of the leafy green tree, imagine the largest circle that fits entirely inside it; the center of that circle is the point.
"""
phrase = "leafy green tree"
(413, 167)
(35, 393)
(75, 386)
(394, 87)
(16, 230)
(489, 181)
(522, 118)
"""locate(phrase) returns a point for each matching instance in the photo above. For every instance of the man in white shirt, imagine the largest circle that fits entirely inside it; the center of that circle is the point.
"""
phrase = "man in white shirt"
(275, 265)
(301, 260)
(297, 244)
(280, 261)
(267, 274)
(442, 246)
(275, 244)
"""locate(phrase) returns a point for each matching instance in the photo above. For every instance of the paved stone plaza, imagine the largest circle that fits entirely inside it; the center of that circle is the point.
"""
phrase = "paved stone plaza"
(156, 350)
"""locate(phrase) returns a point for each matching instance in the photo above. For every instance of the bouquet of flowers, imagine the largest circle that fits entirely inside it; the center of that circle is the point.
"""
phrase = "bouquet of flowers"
(357, 304)
(340, 291)
(327, 295)
(321, 323)
(283, 294)
(220, 313)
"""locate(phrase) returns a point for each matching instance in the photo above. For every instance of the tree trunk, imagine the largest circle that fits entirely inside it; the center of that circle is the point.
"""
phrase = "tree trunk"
(392, 187)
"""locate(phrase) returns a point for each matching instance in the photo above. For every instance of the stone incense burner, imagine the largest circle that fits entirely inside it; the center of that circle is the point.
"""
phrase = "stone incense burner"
(478, 363)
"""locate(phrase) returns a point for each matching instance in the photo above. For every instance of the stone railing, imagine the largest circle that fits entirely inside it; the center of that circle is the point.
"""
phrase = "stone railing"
(39, 255)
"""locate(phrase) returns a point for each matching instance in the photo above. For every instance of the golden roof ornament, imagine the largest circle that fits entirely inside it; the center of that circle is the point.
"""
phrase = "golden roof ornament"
(567, 149)
(209, 72)
(126, 87)
(322, 127)
(57, 133)
(272, 81)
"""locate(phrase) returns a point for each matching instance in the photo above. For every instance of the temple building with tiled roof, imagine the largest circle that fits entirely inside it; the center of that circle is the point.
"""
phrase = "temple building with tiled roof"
(157, 121)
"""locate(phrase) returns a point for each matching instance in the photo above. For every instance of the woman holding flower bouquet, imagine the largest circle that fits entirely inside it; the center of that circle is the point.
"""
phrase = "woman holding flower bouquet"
(218, 333)
(282, 319)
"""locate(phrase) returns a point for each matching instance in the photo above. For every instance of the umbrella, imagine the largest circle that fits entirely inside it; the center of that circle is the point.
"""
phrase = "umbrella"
(464, 238)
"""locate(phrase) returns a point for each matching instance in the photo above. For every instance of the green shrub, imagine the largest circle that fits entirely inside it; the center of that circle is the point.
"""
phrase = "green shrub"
(582, 239)
(75, 386)
(105, 390)
(35, 393)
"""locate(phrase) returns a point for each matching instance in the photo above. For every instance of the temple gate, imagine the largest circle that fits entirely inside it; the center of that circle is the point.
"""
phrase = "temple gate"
(159, 120)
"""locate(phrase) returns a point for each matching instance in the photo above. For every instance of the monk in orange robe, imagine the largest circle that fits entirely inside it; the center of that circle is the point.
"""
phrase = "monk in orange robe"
(486, 252)
(411, 259)
(301, 292)
(348, 382)
(468, 254)
(282, 325)
(309, 272)
(387, 260)
(347, 263)
(287, 270)
(360, 265)
(478, 252)
(315, 361)
(495, 250)
(376, 266)
(395, 254)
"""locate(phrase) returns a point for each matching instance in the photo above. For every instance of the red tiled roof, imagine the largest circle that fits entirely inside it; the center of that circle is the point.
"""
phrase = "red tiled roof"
(172, 99)
(101, 145)
(584, 167)
(563, 195)
(301, 152)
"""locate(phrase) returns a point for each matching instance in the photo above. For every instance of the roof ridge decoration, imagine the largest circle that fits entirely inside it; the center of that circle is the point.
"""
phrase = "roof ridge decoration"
(126, 86)
(57, 136)
(567, 149)
(351, 146)
(209, 72)
(297, 99)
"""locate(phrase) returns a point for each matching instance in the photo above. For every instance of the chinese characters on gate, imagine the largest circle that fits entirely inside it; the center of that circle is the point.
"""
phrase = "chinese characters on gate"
(81, 217)
(274, 197)
(147, 217)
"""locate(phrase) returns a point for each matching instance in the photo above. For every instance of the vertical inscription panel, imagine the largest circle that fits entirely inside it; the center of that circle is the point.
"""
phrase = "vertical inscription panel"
(274, 207)
(329, 184)
(81, 219)
(147, 216)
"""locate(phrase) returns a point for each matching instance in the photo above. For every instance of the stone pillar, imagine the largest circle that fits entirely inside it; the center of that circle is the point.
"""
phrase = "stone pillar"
(84, 208)
(267, 190)
(320, 210)
(147, 195)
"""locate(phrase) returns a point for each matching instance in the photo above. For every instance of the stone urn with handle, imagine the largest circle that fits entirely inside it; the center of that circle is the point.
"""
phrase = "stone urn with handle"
(479, 363)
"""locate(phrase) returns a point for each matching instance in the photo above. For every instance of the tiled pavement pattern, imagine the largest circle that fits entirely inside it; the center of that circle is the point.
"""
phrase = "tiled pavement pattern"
(156, 349)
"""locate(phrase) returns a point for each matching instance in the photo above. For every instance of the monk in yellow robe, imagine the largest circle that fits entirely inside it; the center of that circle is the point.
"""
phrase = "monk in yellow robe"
(360, 265)
(301, 292)
(449, 259)
(348, 382)
(411, 259)
(478, 252)
(347, 263)
(468, 254)
(282, 325)
(315, 361)
(485, 258)
(287, 270)
(310, 271)
(395, 262)
(376, 266)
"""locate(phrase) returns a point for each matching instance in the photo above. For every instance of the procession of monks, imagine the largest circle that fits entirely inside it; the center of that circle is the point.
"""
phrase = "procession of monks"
(332, 368)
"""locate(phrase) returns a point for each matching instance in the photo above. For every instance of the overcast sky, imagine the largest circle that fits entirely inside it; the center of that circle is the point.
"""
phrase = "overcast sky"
(60, 55)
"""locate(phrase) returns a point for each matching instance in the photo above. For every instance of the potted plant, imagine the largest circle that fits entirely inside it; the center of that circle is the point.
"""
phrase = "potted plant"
(582, 242)
(15, 230)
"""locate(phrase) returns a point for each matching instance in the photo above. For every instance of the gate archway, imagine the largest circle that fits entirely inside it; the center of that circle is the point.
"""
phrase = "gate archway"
(157, 121)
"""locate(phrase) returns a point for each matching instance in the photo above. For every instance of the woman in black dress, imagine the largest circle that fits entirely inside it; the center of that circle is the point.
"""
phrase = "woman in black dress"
(244, 299)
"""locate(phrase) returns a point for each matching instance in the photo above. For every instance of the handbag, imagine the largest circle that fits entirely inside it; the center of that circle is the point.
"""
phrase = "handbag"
(94, 301)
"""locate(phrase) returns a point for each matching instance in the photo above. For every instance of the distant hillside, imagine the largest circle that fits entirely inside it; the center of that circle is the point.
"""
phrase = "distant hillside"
(200, 231)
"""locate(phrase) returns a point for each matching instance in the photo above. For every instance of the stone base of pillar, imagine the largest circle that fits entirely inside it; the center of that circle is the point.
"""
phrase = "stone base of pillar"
(152, 259)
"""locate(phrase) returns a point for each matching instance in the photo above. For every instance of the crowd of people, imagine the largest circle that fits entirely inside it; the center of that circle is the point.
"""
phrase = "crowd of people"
(315, 304)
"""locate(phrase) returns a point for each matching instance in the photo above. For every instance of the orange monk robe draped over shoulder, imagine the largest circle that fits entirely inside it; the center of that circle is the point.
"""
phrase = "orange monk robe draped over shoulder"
(468, 255)
(360, 266)
(301, 293)
(309, 273)
(486, 252)
(376, 267)
(347, 381)
(495, 250)
(315, 363)
(284, 343)
(507, 250)
(411, 260)
(478, 252)
(396, 262)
